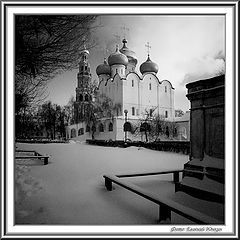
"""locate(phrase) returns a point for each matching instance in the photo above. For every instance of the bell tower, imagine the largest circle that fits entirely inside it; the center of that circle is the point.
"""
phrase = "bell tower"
(83, 91)
(83, 77)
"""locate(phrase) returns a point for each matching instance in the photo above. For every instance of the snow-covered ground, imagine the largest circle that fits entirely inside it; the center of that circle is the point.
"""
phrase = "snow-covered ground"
(70, 189)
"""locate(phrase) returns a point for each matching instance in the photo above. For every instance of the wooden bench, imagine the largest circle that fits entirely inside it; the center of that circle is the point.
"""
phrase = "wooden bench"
(166, 205)
(35, 155)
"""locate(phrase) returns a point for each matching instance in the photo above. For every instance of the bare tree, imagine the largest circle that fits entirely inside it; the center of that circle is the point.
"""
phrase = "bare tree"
(46, 45)
(179, 113)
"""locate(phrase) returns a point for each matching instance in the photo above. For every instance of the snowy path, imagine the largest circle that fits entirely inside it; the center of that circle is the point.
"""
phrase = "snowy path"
(72, 188)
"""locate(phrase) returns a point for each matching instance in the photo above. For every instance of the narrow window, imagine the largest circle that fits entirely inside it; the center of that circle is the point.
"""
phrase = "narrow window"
(133, 111)
(85, 67)
(132, 83)
(151, 112)
(121, 71)
(167, 131)
(101, 128)
(80, 131)
(166, 114)
(86, 98)
(150, 86)
(110, 127)
(87, 128)
(82, 68)
(80, 97)
(165, 88)
(73, 133)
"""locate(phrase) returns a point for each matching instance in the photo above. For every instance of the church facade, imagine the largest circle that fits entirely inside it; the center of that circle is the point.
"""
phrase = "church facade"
(132, 95)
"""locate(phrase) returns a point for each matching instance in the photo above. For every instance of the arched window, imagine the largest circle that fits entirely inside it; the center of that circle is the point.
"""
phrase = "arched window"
(86, 98)
(133, 111)
(175, 132)
(183, 132)
(121, 71)
(80, 131)
(101, 128)
(127, 127)
(159, 128)
(166, 114)
(110, 127)
(80, 97)
(167, 131)
(132, 83)
(145, 127)
(150, 86)
(93, 128)
(87, 128)
(73, 133)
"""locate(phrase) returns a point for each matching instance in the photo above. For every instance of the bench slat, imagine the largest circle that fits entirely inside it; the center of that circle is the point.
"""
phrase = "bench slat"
(45, 158)
(19, 150)
(40, 156)
(184, 211)
(147, 174)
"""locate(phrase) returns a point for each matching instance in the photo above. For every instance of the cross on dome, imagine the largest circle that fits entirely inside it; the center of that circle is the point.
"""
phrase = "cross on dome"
(125, 30)
(105, 51)
(117, 37)
(148, 47)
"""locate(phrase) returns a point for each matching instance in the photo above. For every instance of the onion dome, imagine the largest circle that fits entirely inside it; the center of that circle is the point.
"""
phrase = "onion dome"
(103, 68)
(117, 58)
(131, 55)
(148, 66)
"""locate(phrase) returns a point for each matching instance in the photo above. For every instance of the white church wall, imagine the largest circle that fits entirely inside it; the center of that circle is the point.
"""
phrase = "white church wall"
(119, 129)
(106, 134)
(130, 68)
(131, 94)
(149, 92)
(79, 137)
(118, 69)
(166, 100)
(102, 84)
(118, 93)
(111, 87)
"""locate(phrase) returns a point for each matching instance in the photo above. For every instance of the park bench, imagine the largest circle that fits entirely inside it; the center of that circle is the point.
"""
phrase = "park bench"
(35, 155)
(166, 205)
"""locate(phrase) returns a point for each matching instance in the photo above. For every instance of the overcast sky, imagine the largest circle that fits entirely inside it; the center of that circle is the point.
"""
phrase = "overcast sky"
(186, 48)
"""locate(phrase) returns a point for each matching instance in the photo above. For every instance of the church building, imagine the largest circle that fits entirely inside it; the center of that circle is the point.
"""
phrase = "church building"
(133, 95)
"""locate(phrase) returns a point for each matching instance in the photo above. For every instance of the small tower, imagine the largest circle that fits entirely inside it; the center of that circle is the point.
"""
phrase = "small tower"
(131, 55)
(83, 77)
(148, 66)
(118, 62)
(83, 91)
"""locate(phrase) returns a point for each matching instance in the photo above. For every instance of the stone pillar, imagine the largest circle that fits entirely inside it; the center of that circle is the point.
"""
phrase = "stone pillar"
(207, 118)
(204, 174)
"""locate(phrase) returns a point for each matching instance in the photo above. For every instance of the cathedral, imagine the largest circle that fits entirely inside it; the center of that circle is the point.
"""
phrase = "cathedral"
(132, 95)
